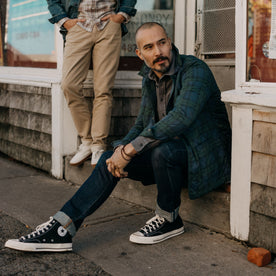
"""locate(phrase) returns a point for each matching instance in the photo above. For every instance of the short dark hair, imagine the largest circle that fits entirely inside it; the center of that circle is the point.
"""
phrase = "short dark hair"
(148, 25)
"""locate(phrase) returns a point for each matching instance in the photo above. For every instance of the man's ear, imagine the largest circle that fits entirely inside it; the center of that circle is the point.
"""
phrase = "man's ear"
(138, 53)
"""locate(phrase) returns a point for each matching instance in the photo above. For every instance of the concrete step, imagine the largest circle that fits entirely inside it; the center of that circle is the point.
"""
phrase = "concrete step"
(211, 211)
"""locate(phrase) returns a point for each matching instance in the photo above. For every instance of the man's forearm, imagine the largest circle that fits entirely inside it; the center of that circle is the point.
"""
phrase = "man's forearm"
(129, 150)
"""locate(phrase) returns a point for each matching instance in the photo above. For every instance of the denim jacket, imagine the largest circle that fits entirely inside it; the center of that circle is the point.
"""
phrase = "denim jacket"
(69, 8)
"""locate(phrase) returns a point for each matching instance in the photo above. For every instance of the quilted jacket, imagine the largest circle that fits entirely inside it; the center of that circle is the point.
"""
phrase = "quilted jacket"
(196, 114)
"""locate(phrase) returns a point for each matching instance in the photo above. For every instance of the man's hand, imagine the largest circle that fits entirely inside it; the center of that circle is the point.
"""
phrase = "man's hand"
(118, 18)
(119, 160)
(68, 24)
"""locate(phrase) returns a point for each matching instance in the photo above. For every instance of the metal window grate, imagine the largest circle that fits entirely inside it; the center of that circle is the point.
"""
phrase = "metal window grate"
(218, 27)
(218, 4)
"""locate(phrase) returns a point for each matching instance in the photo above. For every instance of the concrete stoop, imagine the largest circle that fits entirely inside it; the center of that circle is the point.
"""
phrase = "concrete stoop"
(211, 211)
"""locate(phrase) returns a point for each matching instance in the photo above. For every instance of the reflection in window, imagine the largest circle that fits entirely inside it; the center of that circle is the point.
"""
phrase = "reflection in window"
(28, 39)
(260, 67)
(160, 11)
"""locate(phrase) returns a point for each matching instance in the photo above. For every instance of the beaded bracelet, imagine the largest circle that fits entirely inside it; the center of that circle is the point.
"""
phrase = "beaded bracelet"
(123, 152)
(128, 155)
(123, 155)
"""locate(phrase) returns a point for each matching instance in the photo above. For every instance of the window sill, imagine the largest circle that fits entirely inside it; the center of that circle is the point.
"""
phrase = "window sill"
(260, 98)
(46, 77)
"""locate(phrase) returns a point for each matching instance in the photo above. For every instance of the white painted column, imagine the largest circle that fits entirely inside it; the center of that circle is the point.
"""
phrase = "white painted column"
(57, 135)
(241, 42)
(180, 25)
(241, 171)
(190, 27)
(64, 134)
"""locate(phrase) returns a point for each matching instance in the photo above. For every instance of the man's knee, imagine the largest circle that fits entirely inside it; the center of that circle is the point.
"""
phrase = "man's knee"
(160, 154)
(104, 157)
(71, 92)
(67, 87)
(171, 152)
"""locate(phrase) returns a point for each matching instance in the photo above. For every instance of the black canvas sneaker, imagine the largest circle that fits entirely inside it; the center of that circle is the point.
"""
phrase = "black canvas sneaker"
(49, 236)
(157, 230)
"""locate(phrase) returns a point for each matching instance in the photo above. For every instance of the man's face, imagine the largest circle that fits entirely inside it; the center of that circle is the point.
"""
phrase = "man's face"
(154, 47)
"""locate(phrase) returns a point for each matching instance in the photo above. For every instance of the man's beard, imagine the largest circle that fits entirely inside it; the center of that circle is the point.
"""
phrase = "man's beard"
(163, 68)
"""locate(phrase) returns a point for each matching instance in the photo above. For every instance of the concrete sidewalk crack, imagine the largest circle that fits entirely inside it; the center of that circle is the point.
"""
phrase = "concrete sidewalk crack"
(114, 217)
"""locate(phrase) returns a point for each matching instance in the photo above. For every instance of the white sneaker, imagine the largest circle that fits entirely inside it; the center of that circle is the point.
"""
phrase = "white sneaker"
(49, 236)
(157, 230)
(83, 153)
(96, 154)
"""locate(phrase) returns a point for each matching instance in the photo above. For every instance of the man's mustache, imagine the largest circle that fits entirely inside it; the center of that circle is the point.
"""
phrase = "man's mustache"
(160, 59)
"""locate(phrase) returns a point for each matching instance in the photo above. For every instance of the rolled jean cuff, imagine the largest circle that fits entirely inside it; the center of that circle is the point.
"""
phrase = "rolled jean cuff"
(169, 216)
(66, 222)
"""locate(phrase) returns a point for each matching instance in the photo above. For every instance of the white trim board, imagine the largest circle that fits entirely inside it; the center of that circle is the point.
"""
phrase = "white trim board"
(241, 172)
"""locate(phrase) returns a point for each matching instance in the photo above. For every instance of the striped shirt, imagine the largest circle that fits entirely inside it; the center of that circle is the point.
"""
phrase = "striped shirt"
(93, 10)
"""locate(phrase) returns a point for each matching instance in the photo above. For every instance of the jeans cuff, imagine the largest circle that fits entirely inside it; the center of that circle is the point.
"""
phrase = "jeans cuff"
(66, 222)
(169, 216)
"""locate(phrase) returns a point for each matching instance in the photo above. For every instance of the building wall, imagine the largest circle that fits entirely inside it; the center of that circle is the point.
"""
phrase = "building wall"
(126, 104)
(263, 181)
(26, 121)
(224, 73)
(25, 124)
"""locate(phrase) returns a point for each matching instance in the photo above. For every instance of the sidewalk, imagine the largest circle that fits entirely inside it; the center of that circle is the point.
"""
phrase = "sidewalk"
(31, 196)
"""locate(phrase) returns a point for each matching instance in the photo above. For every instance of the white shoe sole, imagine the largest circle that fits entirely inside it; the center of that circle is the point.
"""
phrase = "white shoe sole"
(81, 161)
(136, 238)
(38, 247)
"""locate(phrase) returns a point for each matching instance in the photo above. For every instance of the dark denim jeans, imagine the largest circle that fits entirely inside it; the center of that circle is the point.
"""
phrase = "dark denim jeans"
(165, 165)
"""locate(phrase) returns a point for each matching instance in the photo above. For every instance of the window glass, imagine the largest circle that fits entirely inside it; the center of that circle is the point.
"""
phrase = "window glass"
(28, 39)
(261, 41)
(160, 11)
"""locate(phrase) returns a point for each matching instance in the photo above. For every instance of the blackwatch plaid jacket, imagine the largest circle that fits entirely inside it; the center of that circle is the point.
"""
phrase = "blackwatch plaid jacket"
(196, 114)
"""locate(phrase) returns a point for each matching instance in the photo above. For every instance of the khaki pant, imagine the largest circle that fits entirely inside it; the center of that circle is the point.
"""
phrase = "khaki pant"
(105, 45)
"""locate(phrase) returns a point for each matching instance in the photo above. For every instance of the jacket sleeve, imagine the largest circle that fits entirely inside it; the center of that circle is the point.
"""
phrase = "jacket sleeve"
(194, 92)
(57, 10)
(127, 6)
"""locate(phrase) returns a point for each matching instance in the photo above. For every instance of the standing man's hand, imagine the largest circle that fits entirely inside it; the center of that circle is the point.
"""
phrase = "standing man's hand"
(68, 24)
(119, 160)
(118, 18)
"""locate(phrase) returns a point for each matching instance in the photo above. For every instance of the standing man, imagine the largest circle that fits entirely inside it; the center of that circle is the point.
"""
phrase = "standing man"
(181, 137)
(92, 29)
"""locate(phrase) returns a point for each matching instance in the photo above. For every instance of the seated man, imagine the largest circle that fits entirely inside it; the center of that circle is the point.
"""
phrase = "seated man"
(181, 137)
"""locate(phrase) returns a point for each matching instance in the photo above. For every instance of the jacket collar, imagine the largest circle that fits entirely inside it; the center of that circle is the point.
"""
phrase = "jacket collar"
(145, 69)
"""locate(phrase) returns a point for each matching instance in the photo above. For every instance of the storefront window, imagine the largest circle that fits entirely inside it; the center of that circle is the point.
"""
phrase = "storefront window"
(27, 37)
(161, 11)
(261, 42)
